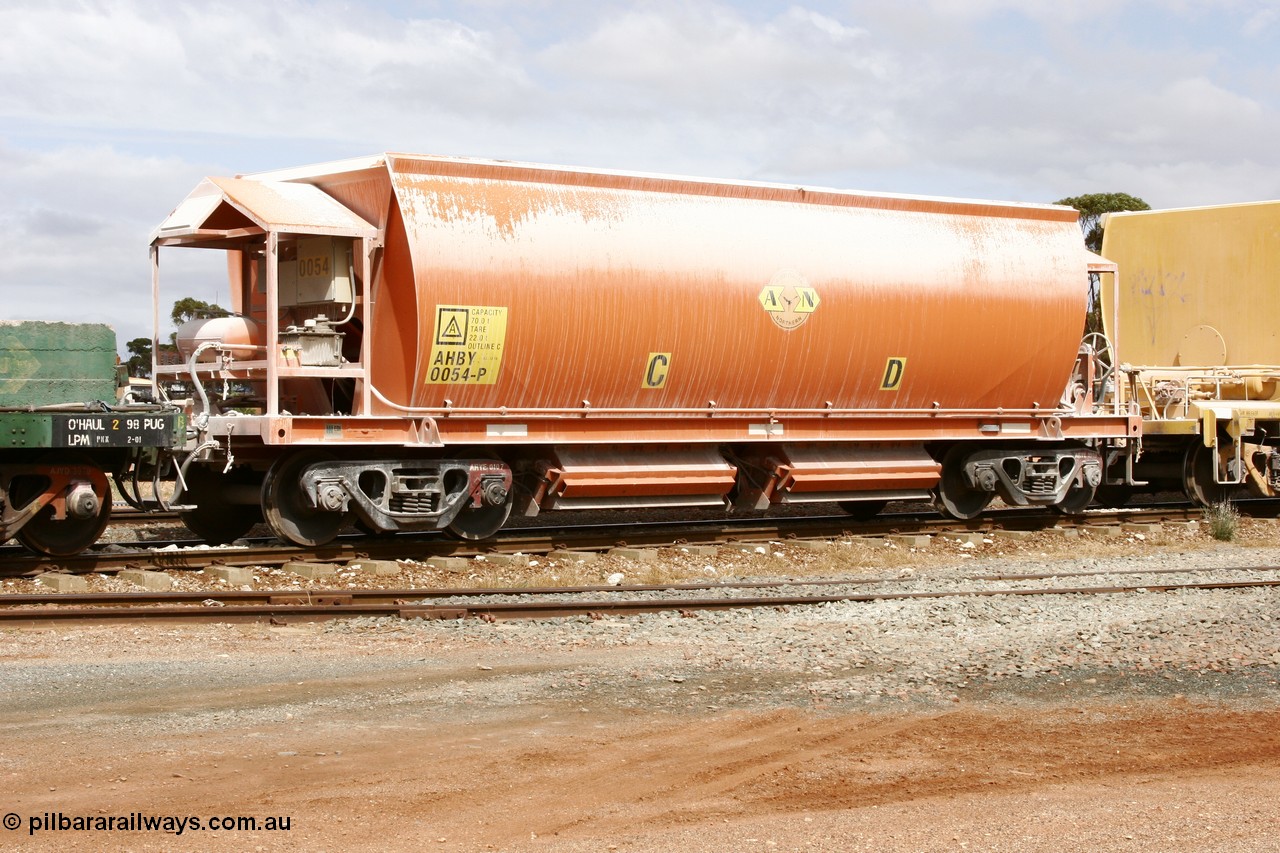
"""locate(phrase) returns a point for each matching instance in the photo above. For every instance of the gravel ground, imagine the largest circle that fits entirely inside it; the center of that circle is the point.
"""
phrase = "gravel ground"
(923, 651)
(1143, 721)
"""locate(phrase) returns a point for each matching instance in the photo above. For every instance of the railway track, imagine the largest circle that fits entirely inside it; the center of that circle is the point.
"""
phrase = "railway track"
(594, 536)
(490, 604)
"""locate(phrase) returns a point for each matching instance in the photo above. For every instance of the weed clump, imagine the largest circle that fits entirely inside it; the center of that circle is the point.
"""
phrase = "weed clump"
(1223, 520)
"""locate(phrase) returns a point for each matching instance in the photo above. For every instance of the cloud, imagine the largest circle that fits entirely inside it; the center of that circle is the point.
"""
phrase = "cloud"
(74, 231)
(995, 90)
(1260, 22)
(707, 57)
(281, 69)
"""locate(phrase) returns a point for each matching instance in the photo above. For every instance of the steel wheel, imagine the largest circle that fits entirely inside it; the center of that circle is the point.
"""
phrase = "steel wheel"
(862, 510)
(1076, 500)
(1113, 496)
(69, 536)
(64, 538)
(1198, 480)
(215, 519)
(954, 497)
(286, 509)
(473, 524)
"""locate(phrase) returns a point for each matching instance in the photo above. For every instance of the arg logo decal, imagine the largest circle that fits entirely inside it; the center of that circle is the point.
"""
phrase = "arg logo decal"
(789, 300)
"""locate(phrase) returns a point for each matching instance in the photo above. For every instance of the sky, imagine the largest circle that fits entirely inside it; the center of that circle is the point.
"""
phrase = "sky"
(111, 112)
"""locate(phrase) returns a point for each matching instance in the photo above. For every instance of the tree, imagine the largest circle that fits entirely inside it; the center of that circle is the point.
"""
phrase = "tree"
(185, 309)
(139, 357)
(1093, 206)
(189, 308)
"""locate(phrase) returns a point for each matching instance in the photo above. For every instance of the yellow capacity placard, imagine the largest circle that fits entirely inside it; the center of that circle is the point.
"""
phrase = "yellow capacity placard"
(466, 347)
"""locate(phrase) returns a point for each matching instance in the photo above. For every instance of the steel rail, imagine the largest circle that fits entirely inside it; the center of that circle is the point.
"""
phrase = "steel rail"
(335, 595)
(592, 536)
(345, 607)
